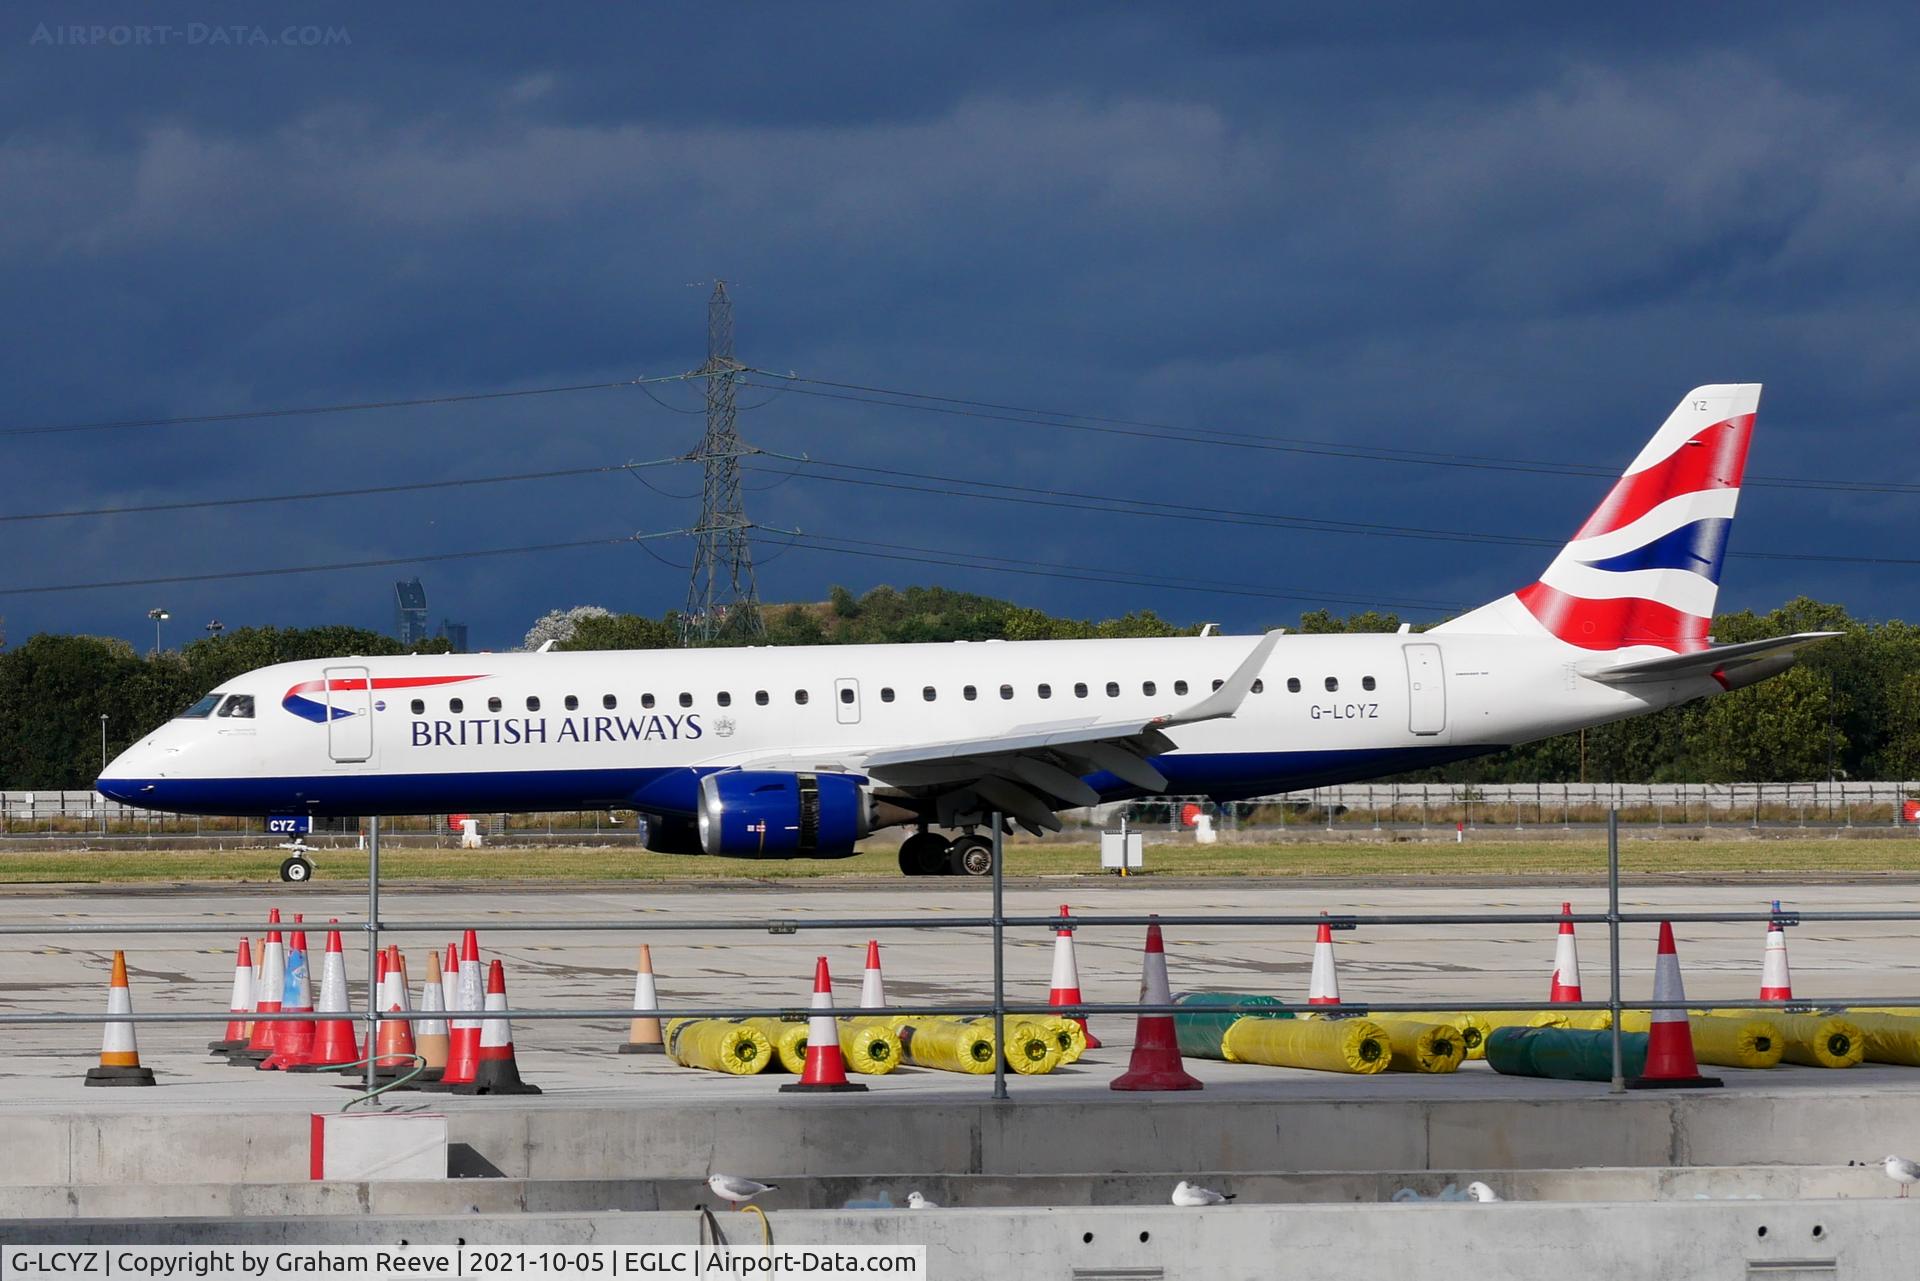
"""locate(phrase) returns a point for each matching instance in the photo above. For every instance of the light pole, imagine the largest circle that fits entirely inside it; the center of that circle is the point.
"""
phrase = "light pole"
(103, 770)
(158, 616)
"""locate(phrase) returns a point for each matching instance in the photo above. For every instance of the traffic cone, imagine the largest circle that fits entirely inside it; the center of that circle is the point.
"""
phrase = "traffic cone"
(394, 1053)
(241, 1005)
(1065, 988)
(430, 1035)
(498, 1072)
(825, 1070)
(463, 1028)
(270, 990)
(450, 979)
(119, 1056)
(333, 1040)
(643, 1034)
(1776, 980)
(1670, 1061)
(873, 988)
(1156, 1052)
(1566, 961)
(1323, 988)
(293, 1041)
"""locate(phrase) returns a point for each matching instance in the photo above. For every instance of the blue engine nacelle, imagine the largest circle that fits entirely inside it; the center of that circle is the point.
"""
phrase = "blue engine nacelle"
(761, 814)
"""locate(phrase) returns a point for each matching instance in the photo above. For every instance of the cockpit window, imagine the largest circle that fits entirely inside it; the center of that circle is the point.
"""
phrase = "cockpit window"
(202, 709)
(240, 707)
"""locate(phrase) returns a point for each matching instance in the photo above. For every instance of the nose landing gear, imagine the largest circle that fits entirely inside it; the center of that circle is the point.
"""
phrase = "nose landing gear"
(296, 869)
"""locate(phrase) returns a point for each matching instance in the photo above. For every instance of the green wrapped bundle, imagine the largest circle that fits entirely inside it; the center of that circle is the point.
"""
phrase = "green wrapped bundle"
(1200, 1034)
(1564, 1053)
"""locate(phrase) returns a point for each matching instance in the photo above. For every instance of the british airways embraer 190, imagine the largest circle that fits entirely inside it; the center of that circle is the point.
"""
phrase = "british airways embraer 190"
(801, 753)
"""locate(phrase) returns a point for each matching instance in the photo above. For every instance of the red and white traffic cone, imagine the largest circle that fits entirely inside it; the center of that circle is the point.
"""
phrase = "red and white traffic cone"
(333, 1040)
(119, 1055)
(824, 1070)
(873, 988)
(430, 1035)
(293, 1041)
(463, 1028)
(241, 1005)
(643, 1033)
(450, 979)
(1065, 989)
(270, 990)
(496, 1071)
(1776, 980)
(1156, 1051)
(1566, 961)
(1323, 988)
(1670, 1061)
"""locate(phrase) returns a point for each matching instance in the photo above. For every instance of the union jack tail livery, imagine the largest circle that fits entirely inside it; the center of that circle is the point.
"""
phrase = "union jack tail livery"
(1644, 569)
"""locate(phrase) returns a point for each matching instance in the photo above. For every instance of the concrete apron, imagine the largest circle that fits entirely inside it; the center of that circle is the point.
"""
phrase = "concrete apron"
(1511, 1241)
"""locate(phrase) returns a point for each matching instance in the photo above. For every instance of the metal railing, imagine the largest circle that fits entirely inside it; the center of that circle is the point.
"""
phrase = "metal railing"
(998, 1007)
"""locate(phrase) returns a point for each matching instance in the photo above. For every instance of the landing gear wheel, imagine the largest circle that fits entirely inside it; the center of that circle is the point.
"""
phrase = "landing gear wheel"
(297, 870)
(924, 854)
(971, 856)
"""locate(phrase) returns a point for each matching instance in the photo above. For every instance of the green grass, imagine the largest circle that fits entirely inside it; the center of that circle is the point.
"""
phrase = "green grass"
(1337, 859)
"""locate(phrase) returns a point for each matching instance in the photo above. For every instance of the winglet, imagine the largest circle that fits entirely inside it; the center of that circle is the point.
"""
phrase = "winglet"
(1226, 700)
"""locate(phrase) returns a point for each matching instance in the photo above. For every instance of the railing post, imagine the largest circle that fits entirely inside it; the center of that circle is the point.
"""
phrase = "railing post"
(1619, 1085)
(373, 945)
(999, 960)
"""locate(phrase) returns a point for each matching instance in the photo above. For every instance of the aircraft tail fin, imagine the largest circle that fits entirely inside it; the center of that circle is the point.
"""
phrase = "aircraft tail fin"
(1644, 570)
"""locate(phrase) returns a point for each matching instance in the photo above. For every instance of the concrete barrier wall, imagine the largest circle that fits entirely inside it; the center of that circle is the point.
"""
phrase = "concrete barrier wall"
(1828, 1126)
(1513, 1241)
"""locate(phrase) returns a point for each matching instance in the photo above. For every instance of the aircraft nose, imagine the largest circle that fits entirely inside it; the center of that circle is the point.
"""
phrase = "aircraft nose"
(130, 773)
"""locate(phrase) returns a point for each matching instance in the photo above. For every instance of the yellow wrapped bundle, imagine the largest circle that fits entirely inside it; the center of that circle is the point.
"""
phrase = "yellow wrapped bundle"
(718, 1046)
(1890, 1038)
(1069, 1036)
(789, 1040)
(1326, 1045)
(950, 1047)
(1474, 1025)
(1031, 1048)
(1423, 1047)
(1733, 1040)
(1589, 1020)
(1821, 1040)
(871, 1050)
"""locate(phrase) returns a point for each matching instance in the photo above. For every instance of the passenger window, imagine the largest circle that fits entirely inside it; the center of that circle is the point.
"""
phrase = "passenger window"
(1045, 691)
(456, 706)
(969, 693)
(1333, 684)
(886, 693)
(239, 707)
(1366, 682)
(646, 700)
(1113, 689)
(533, 703)
(1259, 686)
(1006, 691)
(1080, 689)
(723, 698)
(1293, 684)
(760, 697)
(573, 704)
(1218, 683)
(686, 699)
(419, 707)
(928, 694)
(800, 697)
(609, 702)
(493, 704)
(1148, 688)
(202, 709)
(1180, 687)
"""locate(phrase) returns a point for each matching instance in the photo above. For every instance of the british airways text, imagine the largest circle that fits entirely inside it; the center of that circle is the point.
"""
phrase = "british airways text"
(501, 731)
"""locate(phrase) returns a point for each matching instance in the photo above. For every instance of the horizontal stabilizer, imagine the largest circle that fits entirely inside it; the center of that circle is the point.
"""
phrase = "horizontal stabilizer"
(1721, 661)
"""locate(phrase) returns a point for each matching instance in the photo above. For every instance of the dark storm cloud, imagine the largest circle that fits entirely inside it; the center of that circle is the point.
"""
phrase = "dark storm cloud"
(1524, 237)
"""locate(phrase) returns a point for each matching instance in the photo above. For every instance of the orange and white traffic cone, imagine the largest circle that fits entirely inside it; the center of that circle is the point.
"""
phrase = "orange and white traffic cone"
(1323, 988)
(825, 1069)
(293, 1041)
(873, 988)
(1670, 1061)
(498, 1072)
(430, 1035)
(643, 1034)
(463, 1027)
(1156, 1051)
(333, 1040)
(119, 1055)
(1776, 980)
(394, 1055)
(270, 990)
(1065, 989)
(1566, 961)
(241, 1004)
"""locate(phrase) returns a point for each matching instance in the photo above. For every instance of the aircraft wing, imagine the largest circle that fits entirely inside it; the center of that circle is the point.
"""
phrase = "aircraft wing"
(1033, 770)
(1723, 660)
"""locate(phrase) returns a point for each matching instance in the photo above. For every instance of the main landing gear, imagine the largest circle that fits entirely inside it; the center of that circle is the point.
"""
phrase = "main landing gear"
(931, 854)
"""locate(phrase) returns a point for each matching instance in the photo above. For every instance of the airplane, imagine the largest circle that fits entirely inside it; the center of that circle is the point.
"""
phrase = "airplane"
(804, 752)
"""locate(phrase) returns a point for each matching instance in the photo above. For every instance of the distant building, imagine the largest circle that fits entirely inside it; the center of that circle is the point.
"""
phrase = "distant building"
(455, 634)
(410, 612)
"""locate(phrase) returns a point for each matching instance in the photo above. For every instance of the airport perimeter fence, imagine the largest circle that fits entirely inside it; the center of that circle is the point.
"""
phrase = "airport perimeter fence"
(996, 1006)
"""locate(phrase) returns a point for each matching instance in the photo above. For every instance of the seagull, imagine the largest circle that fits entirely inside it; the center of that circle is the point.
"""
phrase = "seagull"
(731, 1187)
(1481, 1192)
(917, 1202)
(1190, 1194)
(1904, 1172)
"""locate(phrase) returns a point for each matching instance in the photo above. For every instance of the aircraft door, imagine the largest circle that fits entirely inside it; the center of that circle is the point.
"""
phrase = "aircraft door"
(1426, 689)
(349, 714)
(846, 700)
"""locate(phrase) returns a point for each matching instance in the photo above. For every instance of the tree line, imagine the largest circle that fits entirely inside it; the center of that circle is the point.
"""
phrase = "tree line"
(1849, 709)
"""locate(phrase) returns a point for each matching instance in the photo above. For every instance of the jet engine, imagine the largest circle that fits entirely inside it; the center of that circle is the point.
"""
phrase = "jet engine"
(762, 814)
